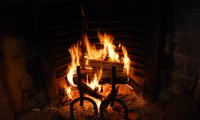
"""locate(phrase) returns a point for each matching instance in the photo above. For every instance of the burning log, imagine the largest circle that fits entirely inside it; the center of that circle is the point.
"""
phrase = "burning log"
(87, 71)
(119, 80)
(84, 74)
(86, 88)
(105, 64)
(108, 73)
(121, 77)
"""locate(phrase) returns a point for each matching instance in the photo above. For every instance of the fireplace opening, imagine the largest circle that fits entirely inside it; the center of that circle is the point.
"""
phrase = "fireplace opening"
(82, 59)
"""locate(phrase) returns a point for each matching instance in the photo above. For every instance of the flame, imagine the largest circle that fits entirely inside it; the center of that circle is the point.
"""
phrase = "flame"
(106, 53)
(126, 59)
(109, 47)
(94, 84)
(98, 102)
(108, 50)
(68, 91)
(75, 53)
(91, 51)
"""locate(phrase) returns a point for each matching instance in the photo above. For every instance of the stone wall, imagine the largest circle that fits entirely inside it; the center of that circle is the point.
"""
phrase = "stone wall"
(5, 109)
(180, 70)
(182, 73)
(197, 89)
(20, 76)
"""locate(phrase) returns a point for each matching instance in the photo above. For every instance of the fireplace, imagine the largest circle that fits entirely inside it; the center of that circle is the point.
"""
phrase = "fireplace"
(137, 34)
(38, 36)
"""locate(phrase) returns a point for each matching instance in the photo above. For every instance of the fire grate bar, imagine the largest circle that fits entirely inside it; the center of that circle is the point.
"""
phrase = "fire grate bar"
(111, 99)
(81, 98)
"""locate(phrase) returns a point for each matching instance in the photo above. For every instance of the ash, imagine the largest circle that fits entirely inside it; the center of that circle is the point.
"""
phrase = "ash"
(139, 109)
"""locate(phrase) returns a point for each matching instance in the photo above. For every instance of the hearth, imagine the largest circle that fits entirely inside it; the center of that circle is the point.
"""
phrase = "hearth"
(136, 36)
(67, 59)
(130, 46)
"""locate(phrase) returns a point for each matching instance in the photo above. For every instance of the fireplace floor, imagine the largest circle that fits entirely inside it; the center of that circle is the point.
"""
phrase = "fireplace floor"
(139, 109)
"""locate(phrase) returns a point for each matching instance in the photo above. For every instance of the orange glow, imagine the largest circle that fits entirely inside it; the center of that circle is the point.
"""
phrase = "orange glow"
(68, 91)
(109, 47)
(107, 52)
(126, 59)
(92, 52)
(98, 102)
(94, 84)
(75, 53)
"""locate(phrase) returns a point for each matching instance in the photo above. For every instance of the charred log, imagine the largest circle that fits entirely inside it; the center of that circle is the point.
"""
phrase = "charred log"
(119, 80)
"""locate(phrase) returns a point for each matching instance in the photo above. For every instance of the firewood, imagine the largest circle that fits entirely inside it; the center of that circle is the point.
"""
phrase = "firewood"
(87, 71)
(105, 64)
(119, 80)
(121, 77)
(84, 74)
(87, 89)
(108, 73)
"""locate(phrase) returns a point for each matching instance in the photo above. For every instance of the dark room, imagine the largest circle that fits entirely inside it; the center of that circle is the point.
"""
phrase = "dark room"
(99, 60)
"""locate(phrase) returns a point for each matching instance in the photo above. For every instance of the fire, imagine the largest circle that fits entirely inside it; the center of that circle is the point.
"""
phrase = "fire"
(94, 84)
(126, 59)
(108, 52)
(109, 47)
(98, 102)
(68, 91)
(75, 53)
(92, 52)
